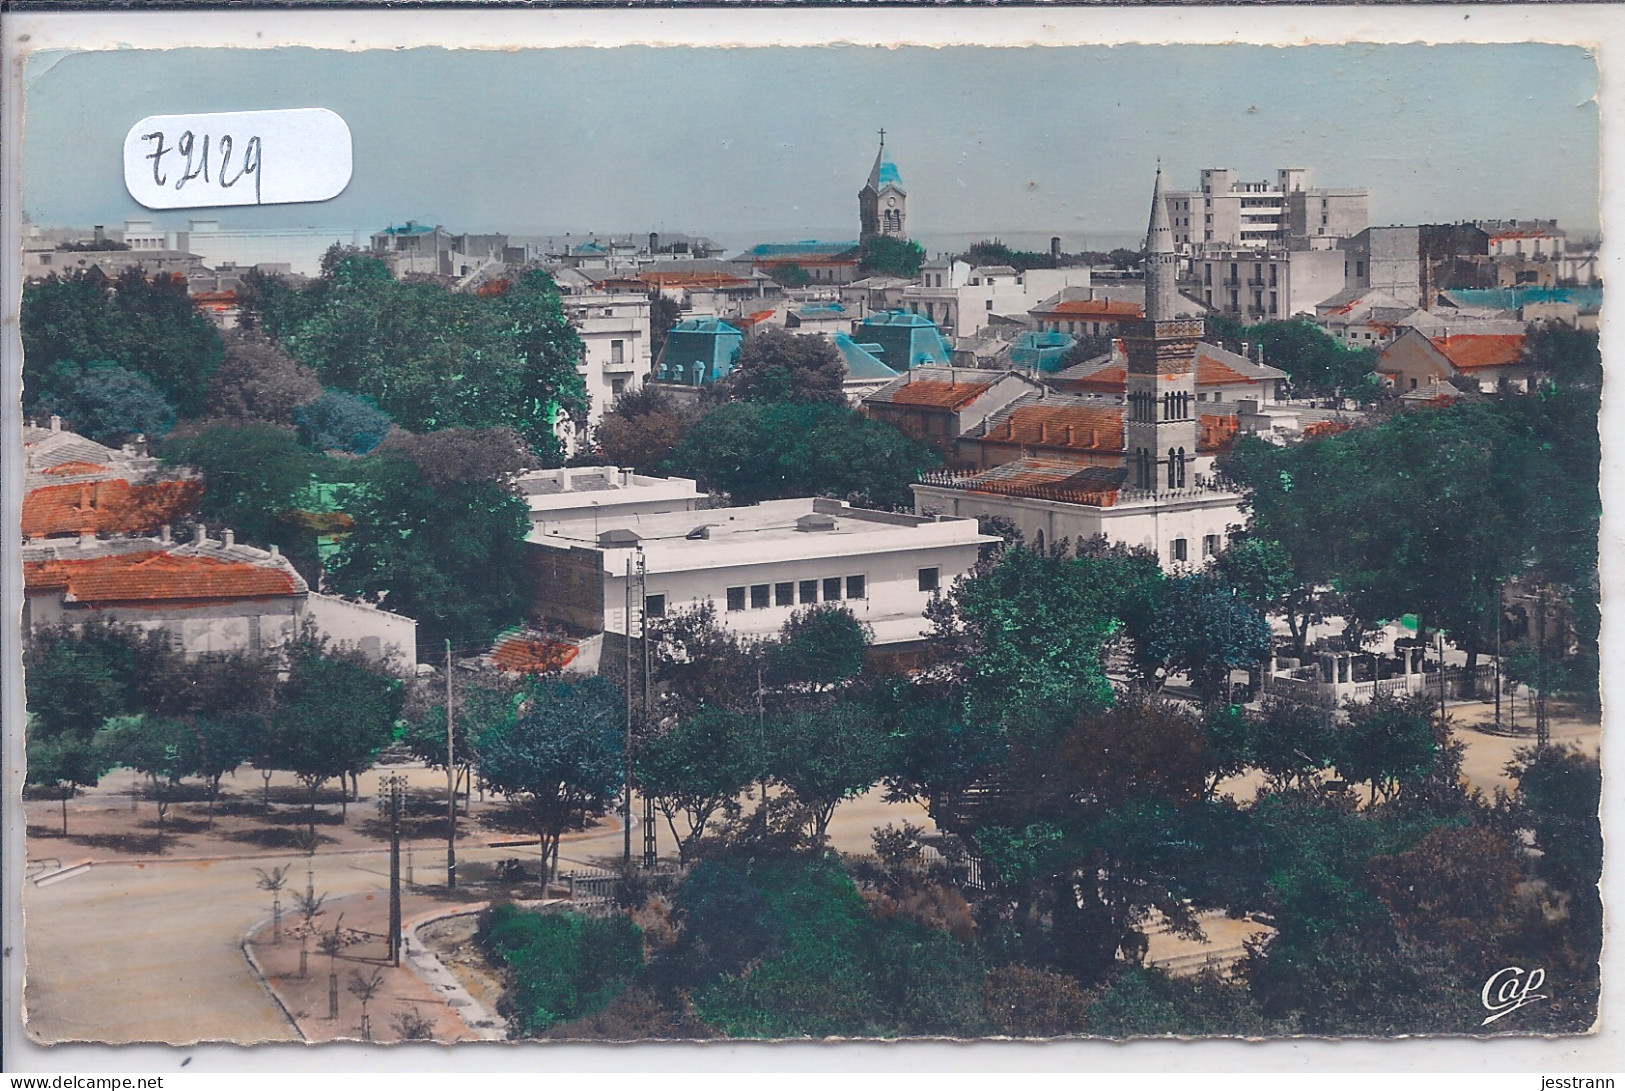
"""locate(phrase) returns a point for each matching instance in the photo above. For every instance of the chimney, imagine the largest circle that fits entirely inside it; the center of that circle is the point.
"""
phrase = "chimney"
(228, 537)
(276, 554)
(100, 233)
(165, 534)
(654, 243)
(1055, 247)
(564, 481)
(56, 423)
(200, 535)
(87, 539)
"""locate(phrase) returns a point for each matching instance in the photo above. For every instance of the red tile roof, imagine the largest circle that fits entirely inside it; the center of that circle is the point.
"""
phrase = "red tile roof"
(530, 655)
(1211, 371)
(1474, 350)
(938, 395)
(106, 507)
(692, 280)
(1111, 379)
(1322, 428)
(1527, 233)
(156, 576)
(1218, 431)
(1051, 479)
(73, 469)
(1060, 427)
(1115, 309)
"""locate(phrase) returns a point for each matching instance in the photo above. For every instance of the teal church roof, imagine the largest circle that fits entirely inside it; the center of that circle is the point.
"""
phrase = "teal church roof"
(861, 361)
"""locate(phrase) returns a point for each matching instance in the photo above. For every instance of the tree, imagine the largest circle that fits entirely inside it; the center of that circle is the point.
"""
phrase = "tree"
(62, 765)
(334, 715)
(642, 429)
(1027, 638)
(819, 645)
(699, 663)
(560, 761)
(698, 768)
(222, 742)
(435, 359)
(1260, 571)
(462, 456)
(259, 381)
(450, 557)
(1204, 630)
(756, 452)
(480, 707)
(791, 275)
(163, 749)
(78, 678)
(107, 403)
(664, 313)
(1387, 742)
(1316, 363)
(145, 326)
(337, 421)
(254, 478)
(889, 256)
(775, 365)
(1292, 742)
(827, 757)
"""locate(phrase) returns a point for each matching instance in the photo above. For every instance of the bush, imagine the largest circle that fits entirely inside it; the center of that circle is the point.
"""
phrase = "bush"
(337, 421)
(108, 403)
(562, 966)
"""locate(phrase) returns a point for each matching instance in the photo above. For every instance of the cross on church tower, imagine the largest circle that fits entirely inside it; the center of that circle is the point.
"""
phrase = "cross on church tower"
(882, 138)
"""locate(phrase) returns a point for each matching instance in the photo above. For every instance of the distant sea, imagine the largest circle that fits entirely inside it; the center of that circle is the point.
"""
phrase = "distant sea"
(733, 241)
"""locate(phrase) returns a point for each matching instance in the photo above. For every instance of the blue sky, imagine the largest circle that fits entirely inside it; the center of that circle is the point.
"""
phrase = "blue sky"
(749, 144)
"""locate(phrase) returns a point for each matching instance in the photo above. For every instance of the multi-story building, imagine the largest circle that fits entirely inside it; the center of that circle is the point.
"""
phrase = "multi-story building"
(577, 502)
(1286, 213)
(1258, 285)
(614, 331)
(756, 565)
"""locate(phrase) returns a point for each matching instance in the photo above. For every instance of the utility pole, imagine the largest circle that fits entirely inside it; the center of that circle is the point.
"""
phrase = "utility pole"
(626, 778)
(1500, 588)
(394, 784)
(451, 784)
(650, 849)
(1542, 725)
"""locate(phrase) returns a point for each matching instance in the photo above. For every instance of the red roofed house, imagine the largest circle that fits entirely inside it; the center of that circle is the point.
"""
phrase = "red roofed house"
(1416, 361)
(1085, 317)
(74, 486)
(937, 405)
(1221, 376)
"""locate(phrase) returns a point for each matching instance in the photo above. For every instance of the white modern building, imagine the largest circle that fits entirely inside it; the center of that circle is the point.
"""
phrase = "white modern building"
(757, 565)
(579, 502)
(300, 248)
(1228, 212)
(614, 331)
(962, 299)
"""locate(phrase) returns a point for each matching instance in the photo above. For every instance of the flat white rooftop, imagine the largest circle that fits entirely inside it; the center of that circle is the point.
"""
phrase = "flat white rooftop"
(775, 530)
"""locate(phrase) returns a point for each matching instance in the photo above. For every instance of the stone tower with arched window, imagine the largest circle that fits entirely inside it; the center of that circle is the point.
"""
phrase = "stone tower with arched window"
(1160, 425)
(882, 202)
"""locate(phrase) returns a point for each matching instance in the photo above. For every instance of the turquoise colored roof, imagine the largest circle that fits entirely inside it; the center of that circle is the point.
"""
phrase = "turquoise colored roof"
(1588, 300)
(888, 172)
(782, 249)
(699, 351)
(821, 310)
(861, 362)
(408, 229)
(1041, 350)
(589, 248)
(907, 340)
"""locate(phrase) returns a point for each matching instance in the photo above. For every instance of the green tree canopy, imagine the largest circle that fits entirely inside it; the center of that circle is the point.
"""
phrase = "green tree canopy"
(698, 768)
(755, 452)
(892, 257)
(776, 365)
(451, 557)
(145, 325)
(827, 756)
(107, 403)
(434, 359)
(560, 760)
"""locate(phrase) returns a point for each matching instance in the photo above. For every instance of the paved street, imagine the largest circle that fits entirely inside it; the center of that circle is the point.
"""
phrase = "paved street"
(148, 951)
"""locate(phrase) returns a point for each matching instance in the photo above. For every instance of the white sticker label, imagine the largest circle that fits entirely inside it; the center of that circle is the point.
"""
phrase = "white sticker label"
(256, 157)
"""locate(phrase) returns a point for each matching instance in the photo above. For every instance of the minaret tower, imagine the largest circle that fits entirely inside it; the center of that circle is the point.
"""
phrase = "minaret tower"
(1159, 427)
(882, 202)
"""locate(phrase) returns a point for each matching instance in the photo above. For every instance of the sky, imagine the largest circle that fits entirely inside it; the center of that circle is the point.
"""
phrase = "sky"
(760, 144)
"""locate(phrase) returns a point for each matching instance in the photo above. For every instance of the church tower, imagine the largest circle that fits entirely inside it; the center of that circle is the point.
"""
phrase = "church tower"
(882, 202)
(1160, 427)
